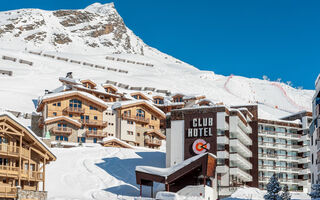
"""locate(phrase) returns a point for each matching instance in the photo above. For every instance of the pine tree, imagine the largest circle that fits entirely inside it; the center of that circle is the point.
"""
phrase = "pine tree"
(315, 191)
(285, 193)
(273, 189)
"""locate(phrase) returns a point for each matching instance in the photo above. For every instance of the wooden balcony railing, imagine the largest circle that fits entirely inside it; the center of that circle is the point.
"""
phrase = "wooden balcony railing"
(74, 110)
(61, 130)
(152, 142)
(95, 134)
(8, 192)
(13, 150)
(94, 123)
(136, 118)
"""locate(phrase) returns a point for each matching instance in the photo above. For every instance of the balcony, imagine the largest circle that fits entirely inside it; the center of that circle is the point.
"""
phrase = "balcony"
(222, 140)
(304, 160)
(222, 169)
(91, 133)
(138, 119)
(240, 148)
(223, 154)
(74, 110)
(152, 142)
(240, 161)
(237, 132)
(94, 123)
(61, 130)
(8, 192)
(240, 174)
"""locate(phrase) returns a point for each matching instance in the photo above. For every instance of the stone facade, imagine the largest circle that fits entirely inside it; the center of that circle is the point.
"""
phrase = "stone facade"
(31, 195)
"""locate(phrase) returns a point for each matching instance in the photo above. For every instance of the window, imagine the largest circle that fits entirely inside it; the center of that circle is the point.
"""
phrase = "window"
(135, 96)
(93, 108)
(54, 104)
(70, 115)
(129, 122)
(59, 104)
(95, 118)
(54, 114)
(95, 140)
(75, 103)
(153, 117)
(138, 134)
(127, 113)
(129, 132)
(140, 113)
(82, 139)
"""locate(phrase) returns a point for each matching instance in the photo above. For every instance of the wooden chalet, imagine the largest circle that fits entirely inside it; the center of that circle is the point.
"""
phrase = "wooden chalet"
(23, 159)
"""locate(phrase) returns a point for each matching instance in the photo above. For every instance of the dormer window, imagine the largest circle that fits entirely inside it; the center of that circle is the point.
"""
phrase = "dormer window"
(178, 99)
(136, 96)
(158, 101)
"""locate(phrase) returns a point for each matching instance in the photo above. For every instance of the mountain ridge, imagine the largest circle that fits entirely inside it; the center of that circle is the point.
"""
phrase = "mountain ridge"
(70, 33)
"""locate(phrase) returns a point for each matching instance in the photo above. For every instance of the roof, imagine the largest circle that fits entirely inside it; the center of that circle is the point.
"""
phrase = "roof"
(147, 174)
(55, 96)
(64, 118)
(109, 86)
(128, 104)
(32, 134)
(69, 80)
(89, 81)
(114, 139)
(162, 136)
(141, 94)
(96, 90)
(165, 172)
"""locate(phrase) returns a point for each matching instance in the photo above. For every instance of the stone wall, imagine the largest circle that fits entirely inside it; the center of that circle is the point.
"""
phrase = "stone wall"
(31, 195)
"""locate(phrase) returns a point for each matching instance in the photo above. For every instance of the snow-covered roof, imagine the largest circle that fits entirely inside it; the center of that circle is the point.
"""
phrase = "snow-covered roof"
(53, 95)
(120, 104)
(70, 80)
(62, 118)
(61, 89)
(110, 139)
(165, 172)
(11, 116)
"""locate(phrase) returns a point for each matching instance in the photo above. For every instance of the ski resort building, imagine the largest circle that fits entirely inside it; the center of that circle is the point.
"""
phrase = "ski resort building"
(284, 150)
(138, 123)
(23, 160)
(80, 112)
(315, 135)
(72, 116)
(228, 133)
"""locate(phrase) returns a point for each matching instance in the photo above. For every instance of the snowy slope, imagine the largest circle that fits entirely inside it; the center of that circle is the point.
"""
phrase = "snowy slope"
(91, 34)
(86, 173)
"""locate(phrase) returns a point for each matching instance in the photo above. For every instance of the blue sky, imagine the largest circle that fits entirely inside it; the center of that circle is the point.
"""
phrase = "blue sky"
(277, 38)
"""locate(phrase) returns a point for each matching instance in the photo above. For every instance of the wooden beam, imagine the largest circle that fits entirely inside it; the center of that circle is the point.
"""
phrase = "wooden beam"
(20, 164)
(44, 174)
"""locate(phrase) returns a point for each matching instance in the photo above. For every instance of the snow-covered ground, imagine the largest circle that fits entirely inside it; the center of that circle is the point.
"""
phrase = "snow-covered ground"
(99, 173)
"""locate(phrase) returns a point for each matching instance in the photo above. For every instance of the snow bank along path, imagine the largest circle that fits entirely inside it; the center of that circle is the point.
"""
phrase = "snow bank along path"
(98, 173)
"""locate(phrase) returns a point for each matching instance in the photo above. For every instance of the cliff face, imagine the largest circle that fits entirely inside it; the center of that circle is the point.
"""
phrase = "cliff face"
(97, 27)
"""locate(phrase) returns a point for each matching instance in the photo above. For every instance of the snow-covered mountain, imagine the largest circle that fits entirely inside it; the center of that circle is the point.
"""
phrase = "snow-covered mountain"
(98, 31)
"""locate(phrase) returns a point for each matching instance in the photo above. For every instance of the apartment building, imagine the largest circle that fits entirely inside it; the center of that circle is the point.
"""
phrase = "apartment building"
(80, 112)
(138, 123)
(284, 150)
(226, 132)
(315, 135)
(23, 160)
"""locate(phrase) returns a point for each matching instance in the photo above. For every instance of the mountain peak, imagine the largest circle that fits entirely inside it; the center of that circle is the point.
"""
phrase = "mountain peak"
(100, 8)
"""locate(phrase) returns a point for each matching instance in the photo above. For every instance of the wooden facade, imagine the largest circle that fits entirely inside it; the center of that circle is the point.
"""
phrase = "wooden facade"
(73, 117)
(23, 158)
(146, 119)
